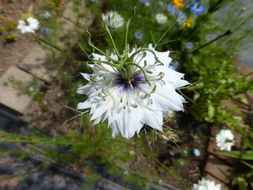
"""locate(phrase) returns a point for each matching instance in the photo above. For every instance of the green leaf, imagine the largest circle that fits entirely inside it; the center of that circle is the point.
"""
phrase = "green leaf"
(244, 155)
(248, 164)
(241, 183)
(211, 111)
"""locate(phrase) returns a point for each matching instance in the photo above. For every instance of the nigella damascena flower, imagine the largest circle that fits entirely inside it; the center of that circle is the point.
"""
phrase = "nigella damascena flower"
(28, 25)
(45, 31)
(204, 184)
(113, 19)
(46, 15)
(138, 35)
(131, 90)
(189, 45)
(174, 65)
(161, 18)
(171, 9)
(225, 140)
(197, 8)
(181, 18)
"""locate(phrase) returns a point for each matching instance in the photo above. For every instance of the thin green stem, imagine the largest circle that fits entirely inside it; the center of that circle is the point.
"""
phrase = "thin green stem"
(81, 114)
(145, 49)
(142, 70)
(108, 63)
(161, 44)
(185, 96)
(72, 109)
(212, 41)
(81, 47)
(153, 38)
(100, 51)
(126, 40)
(51, 45)
(149, 144)
(113, 43)
(164, 34)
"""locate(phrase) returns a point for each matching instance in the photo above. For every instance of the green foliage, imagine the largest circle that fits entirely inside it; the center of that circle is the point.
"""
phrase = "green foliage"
(8, 38)
(93, 144)
(241, 183)
(9, 25)
(1, 30)
(51, 4)
(137, 180)
(246, 158)
(244, 155)
(100, 144)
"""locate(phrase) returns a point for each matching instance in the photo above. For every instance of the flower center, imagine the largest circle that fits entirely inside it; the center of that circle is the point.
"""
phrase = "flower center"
(131, 83)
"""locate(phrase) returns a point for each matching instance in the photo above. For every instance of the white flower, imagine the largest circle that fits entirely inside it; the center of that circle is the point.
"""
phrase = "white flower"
(206, 185)
(113, 19)
(29, 25)
(161, 18)
(130, 103)
(225, 140)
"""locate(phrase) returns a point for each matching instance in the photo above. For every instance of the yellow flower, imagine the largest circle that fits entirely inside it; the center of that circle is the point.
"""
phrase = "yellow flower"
(188, 23)
(178, 3)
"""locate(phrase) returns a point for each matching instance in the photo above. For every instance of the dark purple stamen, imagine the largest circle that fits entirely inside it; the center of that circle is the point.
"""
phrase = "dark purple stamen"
(127, 84)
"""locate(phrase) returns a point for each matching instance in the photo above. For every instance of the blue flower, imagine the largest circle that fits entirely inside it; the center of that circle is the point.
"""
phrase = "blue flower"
(197, 8)
(189, 45)
(209, 37)
(46, 15)
(146, 2)
(174, 65)
(181, 18)
(45, 31)
(138, 35)
(171, 9)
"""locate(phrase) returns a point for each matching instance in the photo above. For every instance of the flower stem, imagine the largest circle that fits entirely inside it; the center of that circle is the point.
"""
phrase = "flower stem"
(102, 52)
(51, 45)
(146, 49)
(142, 70)
(217, 38)
(164, 34)
(113, 43)
(108, 63)
(126, 40)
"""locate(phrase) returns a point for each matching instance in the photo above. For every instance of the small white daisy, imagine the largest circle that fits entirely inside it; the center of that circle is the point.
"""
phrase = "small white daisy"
(113, 19)
(225, 140)
(29, 25)
(133, 90)
(204, 184)
(161, 18)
